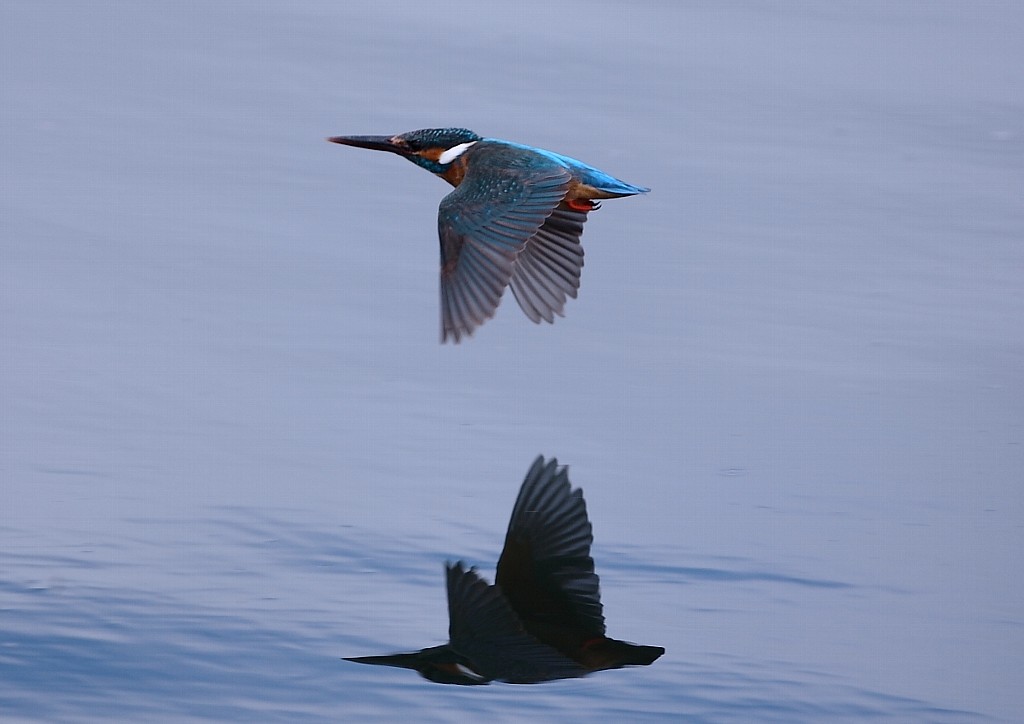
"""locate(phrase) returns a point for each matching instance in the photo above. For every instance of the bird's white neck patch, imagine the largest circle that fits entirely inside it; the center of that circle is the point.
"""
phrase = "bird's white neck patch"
(453, 153)
(465, 669)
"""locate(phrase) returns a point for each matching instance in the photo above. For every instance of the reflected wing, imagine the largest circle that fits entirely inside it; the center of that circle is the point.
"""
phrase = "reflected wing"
(484, 629)
(545, 570)
(504, 198)
(547, 271)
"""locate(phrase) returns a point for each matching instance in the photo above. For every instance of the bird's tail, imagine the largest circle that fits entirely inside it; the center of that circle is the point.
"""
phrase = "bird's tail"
(644, 655)
(623, 653)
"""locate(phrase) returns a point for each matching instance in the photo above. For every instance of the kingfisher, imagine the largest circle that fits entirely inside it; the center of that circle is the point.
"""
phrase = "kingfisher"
(514, 220)
(542, 619)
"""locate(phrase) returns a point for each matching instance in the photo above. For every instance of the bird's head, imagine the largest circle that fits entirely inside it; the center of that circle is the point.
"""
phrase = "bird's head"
(437, 663)
(431, 148)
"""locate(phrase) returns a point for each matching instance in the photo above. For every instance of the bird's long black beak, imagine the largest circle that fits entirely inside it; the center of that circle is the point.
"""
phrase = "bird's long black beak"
(402, 661)
(374, 143)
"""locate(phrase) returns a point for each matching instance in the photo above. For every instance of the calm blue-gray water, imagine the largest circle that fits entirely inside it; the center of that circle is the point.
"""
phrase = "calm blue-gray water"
(792, 388)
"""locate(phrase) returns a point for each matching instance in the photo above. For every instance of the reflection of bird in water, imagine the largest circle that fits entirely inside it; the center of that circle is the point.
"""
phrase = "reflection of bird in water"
(514, 219)
(542, 619)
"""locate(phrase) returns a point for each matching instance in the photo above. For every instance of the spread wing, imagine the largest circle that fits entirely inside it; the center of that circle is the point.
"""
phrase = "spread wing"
(484, 224)
(545, 570)
(484, 629)
(547, 270)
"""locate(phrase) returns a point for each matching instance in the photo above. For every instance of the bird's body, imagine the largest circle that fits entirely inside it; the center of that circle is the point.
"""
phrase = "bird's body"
(514, 219)
(542, 619)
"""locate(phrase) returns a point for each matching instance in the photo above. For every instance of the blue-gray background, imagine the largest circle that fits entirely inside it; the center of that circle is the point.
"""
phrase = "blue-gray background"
(233, 451)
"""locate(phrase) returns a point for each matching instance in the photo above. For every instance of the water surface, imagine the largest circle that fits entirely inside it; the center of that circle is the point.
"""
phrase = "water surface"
(232, 450)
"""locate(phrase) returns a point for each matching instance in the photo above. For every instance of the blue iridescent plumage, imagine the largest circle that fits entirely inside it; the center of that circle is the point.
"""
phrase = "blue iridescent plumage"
(514, 220)
(585, 174)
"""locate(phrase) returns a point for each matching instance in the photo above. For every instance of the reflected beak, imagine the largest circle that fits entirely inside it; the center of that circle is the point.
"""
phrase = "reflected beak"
(403, 661)
(374, 143)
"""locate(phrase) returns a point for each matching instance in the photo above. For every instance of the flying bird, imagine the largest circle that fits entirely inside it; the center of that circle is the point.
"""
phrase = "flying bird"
(542, 619)
(514, 220)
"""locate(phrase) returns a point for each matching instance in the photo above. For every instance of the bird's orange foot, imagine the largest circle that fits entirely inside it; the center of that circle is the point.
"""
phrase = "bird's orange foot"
(583, 205)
